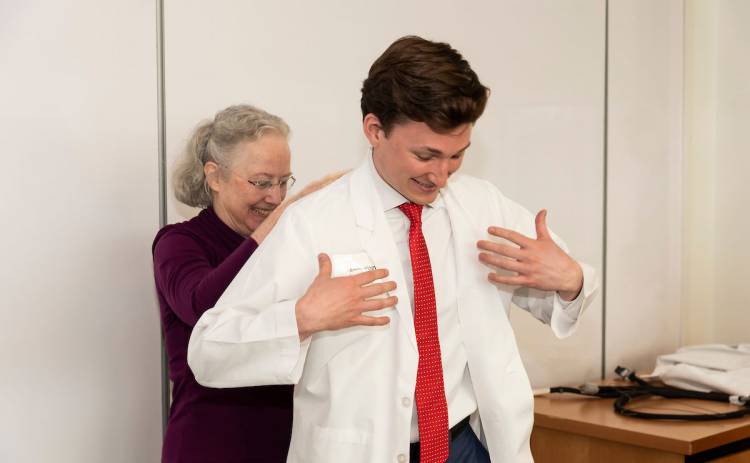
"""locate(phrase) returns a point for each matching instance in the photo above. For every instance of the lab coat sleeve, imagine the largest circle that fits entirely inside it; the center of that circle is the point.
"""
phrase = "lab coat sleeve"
(547, 306)
(250, 337)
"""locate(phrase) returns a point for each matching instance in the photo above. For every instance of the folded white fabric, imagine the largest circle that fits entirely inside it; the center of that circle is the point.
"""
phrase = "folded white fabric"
(708, 367)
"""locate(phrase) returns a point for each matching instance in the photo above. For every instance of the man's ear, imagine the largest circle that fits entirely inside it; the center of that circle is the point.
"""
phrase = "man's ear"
(211, 171)
(373, 130)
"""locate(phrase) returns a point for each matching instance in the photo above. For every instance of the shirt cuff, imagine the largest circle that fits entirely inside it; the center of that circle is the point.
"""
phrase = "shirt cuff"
(570, 308)
(565, 314)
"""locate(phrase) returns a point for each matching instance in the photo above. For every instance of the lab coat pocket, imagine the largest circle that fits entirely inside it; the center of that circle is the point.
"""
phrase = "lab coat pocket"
(340, 444)
(337, 358)
(352, 264)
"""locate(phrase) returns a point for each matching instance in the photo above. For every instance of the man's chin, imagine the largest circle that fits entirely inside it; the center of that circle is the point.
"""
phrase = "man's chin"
(422, 198)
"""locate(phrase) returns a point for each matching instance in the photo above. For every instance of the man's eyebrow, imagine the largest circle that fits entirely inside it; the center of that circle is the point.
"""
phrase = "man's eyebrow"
(436, 151)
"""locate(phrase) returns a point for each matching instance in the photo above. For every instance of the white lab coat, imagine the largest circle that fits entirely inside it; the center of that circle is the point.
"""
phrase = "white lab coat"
(354, 387)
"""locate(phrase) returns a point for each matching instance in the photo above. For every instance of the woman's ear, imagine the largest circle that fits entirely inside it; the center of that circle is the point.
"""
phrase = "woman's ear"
(211, 171)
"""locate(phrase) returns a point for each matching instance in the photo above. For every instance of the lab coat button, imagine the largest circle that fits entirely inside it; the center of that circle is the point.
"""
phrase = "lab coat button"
(406, 402)
(401, 458)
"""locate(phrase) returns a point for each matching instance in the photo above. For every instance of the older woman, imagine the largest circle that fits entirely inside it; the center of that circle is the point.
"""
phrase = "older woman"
(237, 167)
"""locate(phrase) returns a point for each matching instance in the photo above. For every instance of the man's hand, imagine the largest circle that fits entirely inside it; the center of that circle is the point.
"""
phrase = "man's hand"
(537, 263)
(336, 303)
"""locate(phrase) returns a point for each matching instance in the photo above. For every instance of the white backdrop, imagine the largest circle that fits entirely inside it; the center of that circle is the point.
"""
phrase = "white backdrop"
(540, 140)
(644, 216)
(79, 328)
(716, 190)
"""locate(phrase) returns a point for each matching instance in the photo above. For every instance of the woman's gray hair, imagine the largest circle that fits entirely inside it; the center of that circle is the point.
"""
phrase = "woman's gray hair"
(215, 141)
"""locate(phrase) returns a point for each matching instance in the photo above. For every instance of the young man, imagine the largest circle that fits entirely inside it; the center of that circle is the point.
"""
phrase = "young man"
(399, 384)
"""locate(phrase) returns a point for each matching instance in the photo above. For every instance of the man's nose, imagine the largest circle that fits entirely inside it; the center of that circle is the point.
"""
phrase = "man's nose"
(442, 172)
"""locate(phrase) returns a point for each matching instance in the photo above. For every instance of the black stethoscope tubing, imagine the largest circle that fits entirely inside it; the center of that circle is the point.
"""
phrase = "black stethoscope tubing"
(627, 395)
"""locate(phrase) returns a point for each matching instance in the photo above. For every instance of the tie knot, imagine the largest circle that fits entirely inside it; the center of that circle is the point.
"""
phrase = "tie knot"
(413, 211)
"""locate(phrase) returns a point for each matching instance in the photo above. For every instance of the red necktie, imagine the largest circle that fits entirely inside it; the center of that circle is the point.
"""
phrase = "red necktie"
(432, 409)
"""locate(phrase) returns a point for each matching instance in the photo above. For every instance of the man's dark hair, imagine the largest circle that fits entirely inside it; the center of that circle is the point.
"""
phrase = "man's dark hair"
(416, 79)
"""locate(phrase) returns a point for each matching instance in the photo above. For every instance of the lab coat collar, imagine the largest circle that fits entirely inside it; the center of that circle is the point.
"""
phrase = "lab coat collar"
(377, 240)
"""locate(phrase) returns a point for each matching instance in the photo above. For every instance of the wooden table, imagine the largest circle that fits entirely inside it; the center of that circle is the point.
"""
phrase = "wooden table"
(574, 428)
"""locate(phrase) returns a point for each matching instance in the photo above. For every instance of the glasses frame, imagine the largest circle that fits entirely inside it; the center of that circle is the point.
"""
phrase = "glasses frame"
(265, 185)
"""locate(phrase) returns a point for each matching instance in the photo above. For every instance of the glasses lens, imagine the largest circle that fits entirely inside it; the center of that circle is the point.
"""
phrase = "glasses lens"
(261, 184)
(267, 184)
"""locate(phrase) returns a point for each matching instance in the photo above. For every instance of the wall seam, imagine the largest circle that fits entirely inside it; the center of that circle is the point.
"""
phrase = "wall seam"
(162, 162)
(605, 154)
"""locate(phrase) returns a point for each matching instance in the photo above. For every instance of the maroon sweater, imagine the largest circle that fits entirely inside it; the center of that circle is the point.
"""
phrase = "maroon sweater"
(194, 262)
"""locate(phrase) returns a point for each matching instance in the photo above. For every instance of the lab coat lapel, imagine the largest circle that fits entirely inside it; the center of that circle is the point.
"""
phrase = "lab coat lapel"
(377, 241)
(464, 233)
(473, 289)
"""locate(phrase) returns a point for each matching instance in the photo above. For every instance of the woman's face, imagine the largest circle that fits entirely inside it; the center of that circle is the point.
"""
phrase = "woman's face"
(240, 204)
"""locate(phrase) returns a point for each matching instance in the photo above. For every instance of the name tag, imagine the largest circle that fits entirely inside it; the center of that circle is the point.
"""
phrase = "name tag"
(352, 264)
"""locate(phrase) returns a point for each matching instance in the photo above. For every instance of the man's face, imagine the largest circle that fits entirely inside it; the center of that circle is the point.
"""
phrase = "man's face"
(415, 160)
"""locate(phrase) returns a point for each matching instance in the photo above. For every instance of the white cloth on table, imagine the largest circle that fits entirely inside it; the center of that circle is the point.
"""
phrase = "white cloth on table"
(708, 367)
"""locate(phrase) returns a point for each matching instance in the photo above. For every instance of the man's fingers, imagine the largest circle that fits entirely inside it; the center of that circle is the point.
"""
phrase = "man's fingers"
(377, 304)
(364, 320)
(501, 262)
(517, 280)
(324, 265)
(542, 232)
(510, 235)
(377, 289)
(369, 276)
(499, 248)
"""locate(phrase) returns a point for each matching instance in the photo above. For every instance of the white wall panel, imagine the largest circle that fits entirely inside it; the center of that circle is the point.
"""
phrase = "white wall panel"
(644, 182)
(699, 189)
(732, 306)
(716, 188)
(540, 139)
(79, 328)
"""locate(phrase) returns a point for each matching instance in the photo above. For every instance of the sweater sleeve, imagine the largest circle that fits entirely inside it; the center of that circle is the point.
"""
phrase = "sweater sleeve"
(185, 277)
(251, 337)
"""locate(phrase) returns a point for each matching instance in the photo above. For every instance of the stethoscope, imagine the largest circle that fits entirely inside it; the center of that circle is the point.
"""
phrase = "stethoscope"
(626, 396)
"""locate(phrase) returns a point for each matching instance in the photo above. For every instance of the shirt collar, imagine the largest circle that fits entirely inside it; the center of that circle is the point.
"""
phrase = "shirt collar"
(389, 197)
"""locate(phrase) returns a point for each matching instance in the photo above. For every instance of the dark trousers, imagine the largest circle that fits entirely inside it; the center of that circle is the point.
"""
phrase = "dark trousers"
(464, 448)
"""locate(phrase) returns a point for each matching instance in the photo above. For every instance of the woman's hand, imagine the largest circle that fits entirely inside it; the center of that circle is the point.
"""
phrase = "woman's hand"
(267, 225)
(316, 185)
(336, 303)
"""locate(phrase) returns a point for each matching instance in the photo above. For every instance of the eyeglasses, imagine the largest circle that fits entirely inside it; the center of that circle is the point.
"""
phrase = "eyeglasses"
(265, 185)
(284, 183)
